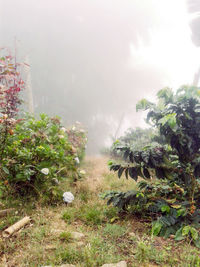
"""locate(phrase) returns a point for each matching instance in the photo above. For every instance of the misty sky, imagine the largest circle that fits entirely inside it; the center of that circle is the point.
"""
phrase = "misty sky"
(92, 60)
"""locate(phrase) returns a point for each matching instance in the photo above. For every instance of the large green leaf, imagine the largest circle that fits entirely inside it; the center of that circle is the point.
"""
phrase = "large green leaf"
(146, 173)
(133, 173)
(156, 228)
(169, 119)
(143, 104)
(179, 236)
(120, 171)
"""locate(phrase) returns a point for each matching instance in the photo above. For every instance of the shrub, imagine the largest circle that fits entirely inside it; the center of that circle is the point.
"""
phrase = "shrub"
(10, 86)
(172, 200)
(36, 156)
(77, 137)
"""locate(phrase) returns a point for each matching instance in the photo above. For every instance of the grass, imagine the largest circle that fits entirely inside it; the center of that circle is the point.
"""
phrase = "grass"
(114, 230)
(66, 237)
(109, 237)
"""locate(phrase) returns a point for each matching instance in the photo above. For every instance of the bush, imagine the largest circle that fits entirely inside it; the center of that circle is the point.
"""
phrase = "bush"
(37, 155)
(77, 137)
(172, 200)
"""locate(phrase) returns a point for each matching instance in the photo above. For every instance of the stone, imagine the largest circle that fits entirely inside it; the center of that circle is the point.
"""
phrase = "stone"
(67, 265)
(50, 247)
(77, 235)
(56, 231)
(119, 264)
(80, 244)
(132, 234)
(63, 265)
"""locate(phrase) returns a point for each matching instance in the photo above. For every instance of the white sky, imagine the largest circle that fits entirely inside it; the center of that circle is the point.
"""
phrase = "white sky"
(171, 48)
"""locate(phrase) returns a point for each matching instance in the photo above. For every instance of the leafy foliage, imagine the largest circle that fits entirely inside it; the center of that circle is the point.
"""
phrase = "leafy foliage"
(135, 139)
(172, 200)
(36, 156)
(10, 86)
(78, 139)
(34, 153)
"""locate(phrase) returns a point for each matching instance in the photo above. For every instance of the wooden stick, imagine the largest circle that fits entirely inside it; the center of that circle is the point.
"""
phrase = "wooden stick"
(5, 212)
(15, 227)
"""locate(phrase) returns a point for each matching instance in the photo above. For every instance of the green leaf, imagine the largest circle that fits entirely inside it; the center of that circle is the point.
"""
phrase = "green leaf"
(114, 219)
(180, 212)
(197, 171)
(186, 230)
(6, 170)
(170, 119)
(126, 173)
(146, 173)
(133, 173)
(143, 104)
(166, 94)
(197, 242)
(179, 236)
(160, 173)
(165, 208)
(110, 163)
(176, 206)
(156, 227)
(121, 169)
(194, 233)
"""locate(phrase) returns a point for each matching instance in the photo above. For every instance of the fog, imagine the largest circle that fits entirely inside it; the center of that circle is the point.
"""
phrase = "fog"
(92, 60)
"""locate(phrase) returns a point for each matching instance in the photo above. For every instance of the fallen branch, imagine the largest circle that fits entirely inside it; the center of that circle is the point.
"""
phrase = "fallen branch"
(15, 227)
(5, 212)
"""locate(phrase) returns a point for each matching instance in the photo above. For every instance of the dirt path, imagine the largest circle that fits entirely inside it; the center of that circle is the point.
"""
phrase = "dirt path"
(96, 167)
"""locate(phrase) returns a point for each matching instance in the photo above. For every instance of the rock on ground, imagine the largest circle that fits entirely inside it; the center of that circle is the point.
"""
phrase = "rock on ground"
(77, 236)
(67, 265)
(119, 264)
(63, 265)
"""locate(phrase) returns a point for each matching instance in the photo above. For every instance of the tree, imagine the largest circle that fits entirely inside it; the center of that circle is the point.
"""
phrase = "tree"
(172, 199)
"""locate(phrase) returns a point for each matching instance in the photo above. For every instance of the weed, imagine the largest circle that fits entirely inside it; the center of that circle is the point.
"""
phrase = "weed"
(110, 212)
(114, 230)
(65, 236)
(92, 215)
(145, 252)
(101, 252)
(68, 255)
(69, 215)
(84, 193)
(191, 257)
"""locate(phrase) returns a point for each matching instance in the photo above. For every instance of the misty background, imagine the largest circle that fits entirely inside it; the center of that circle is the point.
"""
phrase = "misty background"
(92, 60)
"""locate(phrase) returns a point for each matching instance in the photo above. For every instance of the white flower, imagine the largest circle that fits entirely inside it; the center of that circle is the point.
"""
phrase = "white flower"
(82, 172)
(63, 129)
(68, 197)
(61, 136)
(45, 171)
(77, 160)
(73, 128)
